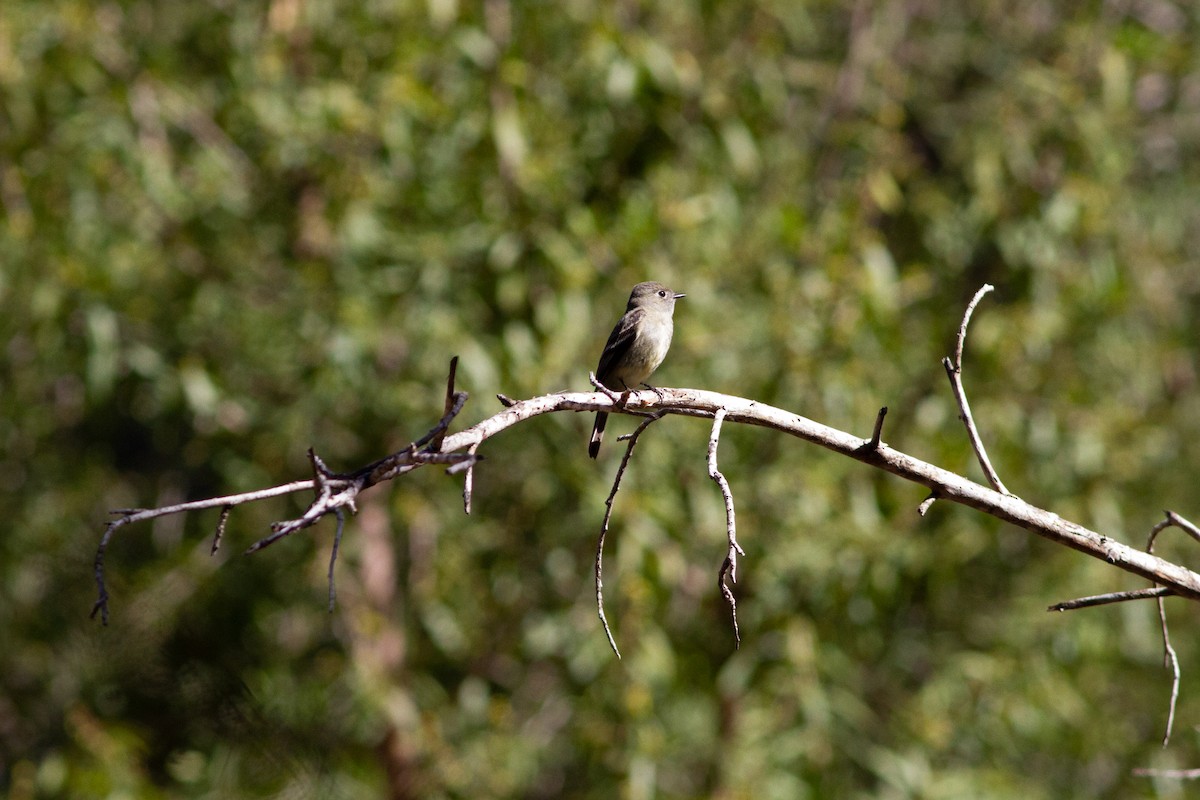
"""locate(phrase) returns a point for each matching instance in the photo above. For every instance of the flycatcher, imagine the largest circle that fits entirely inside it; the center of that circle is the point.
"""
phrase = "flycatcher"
(636, 346)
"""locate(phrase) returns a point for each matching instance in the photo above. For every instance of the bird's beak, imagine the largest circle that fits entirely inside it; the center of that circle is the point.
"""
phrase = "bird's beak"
(679, 295)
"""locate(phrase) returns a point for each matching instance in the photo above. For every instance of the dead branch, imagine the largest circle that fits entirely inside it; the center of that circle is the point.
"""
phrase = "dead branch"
(1158, 593)
(954, 373)
(469, 480)
(334, 493)
(1176, 774)
(337, 492)
(1170, 658)
(729, 566)
(632, 438)
(942, 483)
(1111, 597)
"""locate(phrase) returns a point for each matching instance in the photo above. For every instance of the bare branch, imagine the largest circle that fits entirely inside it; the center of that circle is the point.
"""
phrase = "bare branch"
(333, 554)
(334, 492)
(966, 320)
(945, 484)
(1111, 597)
(131, 515)
(608, 507)
(697, 403)
(1171, 662)
(729, 566)
(469, 481)
(1170, 658)
(1179, 774)
(340, 491)
(954, 373)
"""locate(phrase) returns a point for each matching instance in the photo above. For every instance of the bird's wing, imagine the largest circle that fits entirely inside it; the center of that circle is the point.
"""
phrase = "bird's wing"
(618, 344)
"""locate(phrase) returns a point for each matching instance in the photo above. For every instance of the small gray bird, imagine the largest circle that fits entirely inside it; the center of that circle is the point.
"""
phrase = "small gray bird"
(636, 346)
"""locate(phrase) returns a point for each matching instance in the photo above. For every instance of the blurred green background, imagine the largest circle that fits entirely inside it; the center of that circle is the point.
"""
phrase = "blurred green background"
(234, 230)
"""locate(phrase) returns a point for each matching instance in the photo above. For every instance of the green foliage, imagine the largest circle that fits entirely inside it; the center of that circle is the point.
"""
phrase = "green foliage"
(229, 231)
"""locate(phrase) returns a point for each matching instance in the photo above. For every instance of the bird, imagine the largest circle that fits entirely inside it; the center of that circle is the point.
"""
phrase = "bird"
(636, 347)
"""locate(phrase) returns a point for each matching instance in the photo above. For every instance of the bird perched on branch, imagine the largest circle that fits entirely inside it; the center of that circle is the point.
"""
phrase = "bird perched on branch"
(636, 346)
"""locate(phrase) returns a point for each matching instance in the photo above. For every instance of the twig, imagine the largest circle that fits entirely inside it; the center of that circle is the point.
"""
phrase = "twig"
(877, 434)
(954, 373)
(1111, 597)
(221, 522)
(1184, 525)
(131, 515)
(338, 491)
(729, 566)
(333, 554)
(438, 431)
(608, 507)
(600, 387)
(1170, 658)
(469, 481)
(1171, 662)
(1180, 774)
(334, 492)
(927, 503)
(435, 444)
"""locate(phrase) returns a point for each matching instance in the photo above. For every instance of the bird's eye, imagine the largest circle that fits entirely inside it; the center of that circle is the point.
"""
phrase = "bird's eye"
(661, 293)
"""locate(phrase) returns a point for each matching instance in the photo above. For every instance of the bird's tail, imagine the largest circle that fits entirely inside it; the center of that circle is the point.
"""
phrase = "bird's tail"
(597, 434)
